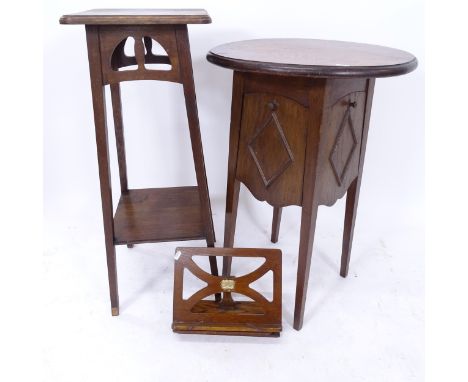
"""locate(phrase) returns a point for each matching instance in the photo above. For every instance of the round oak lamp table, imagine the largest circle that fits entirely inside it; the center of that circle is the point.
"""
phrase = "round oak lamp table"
(299, 121)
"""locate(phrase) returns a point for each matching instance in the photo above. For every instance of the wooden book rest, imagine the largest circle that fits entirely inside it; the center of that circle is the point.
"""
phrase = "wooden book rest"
(197, 314)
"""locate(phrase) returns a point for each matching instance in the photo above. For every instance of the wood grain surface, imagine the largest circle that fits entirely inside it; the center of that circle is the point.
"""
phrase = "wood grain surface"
(315, 58)
(249, 313)
(144, 215)
(159, 214)
(137, 17)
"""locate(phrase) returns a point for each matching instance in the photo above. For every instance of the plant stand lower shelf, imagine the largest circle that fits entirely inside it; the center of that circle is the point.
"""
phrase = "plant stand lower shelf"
(158, 214)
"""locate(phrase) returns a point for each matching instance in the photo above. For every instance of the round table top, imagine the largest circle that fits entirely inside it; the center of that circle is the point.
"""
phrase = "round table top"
(313, 58)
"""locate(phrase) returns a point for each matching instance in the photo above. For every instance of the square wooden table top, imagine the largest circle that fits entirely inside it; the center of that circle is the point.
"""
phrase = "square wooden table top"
(137, 17)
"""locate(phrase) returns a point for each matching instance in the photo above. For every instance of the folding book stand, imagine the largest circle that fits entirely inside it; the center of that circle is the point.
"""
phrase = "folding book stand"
(196, 314)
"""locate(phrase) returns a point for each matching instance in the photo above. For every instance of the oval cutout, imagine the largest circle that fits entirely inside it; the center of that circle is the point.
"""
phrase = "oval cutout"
(264, 285)
(156, 57)
(129, 47)
(191, 284)
(123, 56)
(246, 265)
(239, 297)
(203, 262)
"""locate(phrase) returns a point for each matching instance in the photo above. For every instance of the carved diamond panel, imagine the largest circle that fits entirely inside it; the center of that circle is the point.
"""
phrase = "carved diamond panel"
(270, 149)
(344, 147)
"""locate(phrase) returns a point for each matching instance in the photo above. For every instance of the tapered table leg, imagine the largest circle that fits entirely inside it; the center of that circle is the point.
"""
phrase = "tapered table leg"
(232, 201)
(308, 220)
(195, 136)
(119, 135)
(275, 225)
(99, 106)
(233, 185)
(352, 199)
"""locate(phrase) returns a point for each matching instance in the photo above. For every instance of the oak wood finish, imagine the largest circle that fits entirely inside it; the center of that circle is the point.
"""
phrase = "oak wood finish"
(276, 222)
(159, 214)
(233, 185)
(313, 58)
(198, 314)
(300, 117)
(144, 215)
(137, 17)
(186, 74)
(99, 107)
(119, 136)
(352, 197)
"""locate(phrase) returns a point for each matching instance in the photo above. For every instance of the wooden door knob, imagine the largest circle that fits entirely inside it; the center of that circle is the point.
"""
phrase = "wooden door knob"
(273, 105)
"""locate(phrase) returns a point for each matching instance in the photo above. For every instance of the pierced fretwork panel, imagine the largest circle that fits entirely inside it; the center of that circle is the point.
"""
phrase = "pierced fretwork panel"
(241, 304)
(139, 53)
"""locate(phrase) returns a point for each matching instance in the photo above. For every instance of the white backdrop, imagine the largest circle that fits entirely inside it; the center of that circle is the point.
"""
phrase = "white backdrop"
(367, 327)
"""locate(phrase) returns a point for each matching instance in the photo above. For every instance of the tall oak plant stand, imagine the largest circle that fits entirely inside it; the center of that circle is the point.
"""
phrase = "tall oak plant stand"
(299, 122)
(155, 214)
